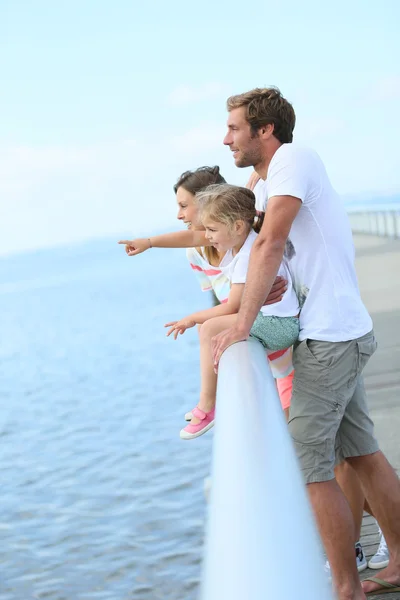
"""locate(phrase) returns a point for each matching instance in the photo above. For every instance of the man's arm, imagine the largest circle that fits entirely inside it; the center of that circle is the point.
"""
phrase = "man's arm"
(265, 258)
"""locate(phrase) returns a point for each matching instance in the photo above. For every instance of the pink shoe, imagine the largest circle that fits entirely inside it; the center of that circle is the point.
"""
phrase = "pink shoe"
(194, 431)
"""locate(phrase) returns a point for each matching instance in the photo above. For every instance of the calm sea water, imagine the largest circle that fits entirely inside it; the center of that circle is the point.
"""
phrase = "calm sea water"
(100, 499)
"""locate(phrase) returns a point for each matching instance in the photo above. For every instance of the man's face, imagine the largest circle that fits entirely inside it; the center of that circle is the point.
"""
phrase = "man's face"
(245, 147)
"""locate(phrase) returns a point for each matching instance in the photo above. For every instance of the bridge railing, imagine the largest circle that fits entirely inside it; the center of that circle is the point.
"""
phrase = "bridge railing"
(377, 219)
(261, 540)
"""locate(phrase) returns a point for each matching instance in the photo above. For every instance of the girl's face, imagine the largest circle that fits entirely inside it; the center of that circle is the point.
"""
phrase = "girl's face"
(187, 209)
(222, 237)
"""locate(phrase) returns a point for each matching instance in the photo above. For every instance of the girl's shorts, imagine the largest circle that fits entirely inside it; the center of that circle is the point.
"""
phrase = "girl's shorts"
(275, 333)
(285, 388)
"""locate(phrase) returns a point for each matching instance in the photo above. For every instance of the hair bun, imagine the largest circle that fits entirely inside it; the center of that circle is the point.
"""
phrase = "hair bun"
(215, 170)
(258, 221)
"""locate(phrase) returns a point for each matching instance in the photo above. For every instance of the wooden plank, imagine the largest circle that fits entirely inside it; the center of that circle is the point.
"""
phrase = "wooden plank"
(382, 379)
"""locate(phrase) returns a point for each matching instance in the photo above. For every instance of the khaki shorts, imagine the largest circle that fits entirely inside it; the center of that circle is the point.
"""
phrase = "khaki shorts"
(329, 418)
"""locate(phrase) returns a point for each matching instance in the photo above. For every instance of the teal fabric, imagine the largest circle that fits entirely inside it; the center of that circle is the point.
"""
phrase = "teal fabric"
(275, 333)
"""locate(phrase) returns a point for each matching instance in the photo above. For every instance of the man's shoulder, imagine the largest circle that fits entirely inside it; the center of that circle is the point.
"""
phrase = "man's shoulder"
(295, 152)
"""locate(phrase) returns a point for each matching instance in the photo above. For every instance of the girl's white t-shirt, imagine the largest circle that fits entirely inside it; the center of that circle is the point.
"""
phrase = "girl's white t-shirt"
(235, 268)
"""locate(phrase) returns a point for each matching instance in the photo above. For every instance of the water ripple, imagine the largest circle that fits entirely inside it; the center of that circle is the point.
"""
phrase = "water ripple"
(100, 498)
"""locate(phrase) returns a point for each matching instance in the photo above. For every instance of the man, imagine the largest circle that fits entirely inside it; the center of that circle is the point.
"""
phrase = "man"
(328, 411)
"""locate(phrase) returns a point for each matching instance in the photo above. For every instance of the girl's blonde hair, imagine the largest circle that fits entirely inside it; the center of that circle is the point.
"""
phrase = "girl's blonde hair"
(227, 204)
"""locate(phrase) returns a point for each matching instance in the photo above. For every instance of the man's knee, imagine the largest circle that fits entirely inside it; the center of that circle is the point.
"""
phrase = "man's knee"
(371, 458)
(343, 469)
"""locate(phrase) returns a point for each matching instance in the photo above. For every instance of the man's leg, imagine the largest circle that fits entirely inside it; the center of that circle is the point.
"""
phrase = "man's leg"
(326, 375)
(351, 487)
(336, 527)
(379, 481)
(382, 489)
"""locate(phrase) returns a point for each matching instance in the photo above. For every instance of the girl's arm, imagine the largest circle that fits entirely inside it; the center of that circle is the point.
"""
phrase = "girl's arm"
(191, 238)
(198, 318)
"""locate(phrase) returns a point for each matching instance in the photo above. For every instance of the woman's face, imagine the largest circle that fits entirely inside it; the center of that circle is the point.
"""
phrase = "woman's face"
(187, 209)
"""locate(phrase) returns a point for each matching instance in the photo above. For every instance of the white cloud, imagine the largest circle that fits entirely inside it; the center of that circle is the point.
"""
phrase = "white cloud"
(37, 160)
(388, 88)
(58, 194)
(310, 128)
(198, 139)
(188, 94)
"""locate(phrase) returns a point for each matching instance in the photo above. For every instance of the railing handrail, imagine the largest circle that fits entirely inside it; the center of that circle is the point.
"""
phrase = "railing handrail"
(258, 504)
(376, 219)
(374, 208)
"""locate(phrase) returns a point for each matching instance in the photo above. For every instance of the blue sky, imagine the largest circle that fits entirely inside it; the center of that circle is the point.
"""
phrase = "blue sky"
(105, 103)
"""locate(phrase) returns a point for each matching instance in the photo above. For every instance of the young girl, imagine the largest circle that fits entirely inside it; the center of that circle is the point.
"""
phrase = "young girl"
(228, 215)
(204, 260)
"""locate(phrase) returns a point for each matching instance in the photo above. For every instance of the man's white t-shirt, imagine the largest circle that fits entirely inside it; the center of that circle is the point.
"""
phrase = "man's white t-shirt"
(320, 250)
(235, 269)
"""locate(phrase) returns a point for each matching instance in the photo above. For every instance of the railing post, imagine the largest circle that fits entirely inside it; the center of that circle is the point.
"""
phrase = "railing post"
(258, 510)
(383, 220)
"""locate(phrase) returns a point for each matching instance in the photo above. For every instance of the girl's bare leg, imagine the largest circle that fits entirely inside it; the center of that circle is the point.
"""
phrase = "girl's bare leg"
(208, 377)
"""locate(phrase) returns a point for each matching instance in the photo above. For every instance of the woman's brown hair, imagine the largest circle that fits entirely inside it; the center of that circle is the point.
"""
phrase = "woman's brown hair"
(193, 182)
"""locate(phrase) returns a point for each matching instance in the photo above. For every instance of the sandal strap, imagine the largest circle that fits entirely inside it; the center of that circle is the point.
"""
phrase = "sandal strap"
(199, 414)
(381, 582)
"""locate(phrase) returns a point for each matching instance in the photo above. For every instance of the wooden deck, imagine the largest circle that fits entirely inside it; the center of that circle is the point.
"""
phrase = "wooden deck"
(378, 266)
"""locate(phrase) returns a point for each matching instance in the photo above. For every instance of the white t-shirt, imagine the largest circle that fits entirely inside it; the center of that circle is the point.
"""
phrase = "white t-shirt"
(320, 250)
(235, 268)
(261, 193)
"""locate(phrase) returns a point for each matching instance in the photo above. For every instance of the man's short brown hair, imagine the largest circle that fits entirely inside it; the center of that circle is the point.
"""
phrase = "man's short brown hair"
(267, 106)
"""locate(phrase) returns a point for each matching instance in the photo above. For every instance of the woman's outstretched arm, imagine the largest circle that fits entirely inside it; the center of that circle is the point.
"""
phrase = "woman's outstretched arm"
(191, 238)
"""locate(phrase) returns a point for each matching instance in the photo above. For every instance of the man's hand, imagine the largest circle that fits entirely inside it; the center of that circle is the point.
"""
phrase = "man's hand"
(223, 340)
(277, 291)
(226, 338)
(133, 247)
(179, 327)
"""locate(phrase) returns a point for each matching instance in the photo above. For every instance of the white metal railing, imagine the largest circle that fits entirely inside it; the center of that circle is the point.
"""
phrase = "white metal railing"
(377, 219)
(259, 521)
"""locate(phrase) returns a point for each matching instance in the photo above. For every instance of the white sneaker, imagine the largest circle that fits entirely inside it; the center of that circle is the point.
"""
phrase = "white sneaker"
(207, 488)
(361, 562)
(327, 571)
(380, 560)
(361, 559)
